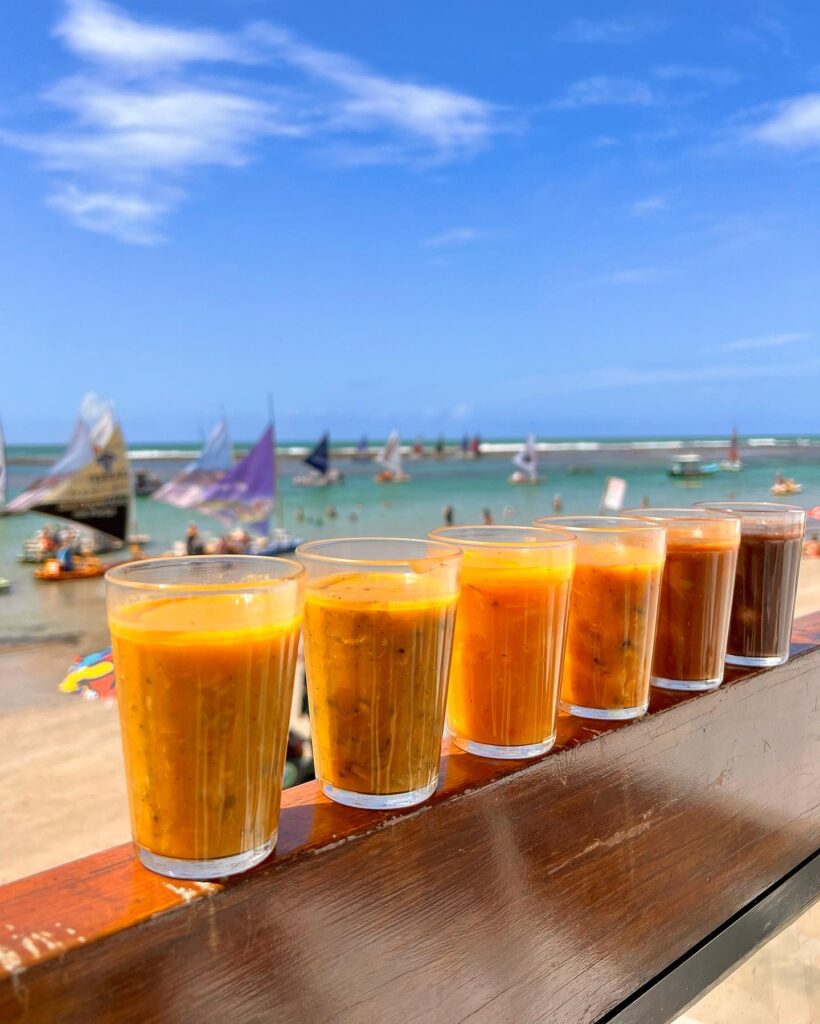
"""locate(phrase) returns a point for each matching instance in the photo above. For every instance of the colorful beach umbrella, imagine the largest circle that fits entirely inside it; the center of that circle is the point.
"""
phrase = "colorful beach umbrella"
(92, 676)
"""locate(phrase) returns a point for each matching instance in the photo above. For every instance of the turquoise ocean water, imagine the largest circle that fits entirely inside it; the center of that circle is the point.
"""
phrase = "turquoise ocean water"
(575, 471)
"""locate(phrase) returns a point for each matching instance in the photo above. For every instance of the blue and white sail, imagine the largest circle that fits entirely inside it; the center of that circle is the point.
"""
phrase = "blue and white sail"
(244, 496)
(526, 460)
(186, 489)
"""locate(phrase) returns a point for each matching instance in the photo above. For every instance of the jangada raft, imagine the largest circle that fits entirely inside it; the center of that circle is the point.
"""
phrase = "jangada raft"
(321, 472)
(89, 486)
(526, 464)
(390, 460)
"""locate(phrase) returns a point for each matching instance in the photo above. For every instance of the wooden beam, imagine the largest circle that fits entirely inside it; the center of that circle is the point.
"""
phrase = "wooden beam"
(545, 891)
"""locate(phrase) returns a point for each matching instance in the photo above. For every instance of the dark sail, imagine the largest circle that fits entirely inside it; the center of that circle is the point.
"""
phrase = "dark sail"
(319, 458)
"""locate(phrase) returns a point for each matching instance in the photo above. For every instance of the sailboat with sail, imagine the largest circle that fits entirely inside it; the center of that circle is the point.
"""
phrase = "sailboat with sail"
(5, 585)
(389, 458)
(90, 485)
(245, 497)
(321, 472)
(3, 469)
(526, 464)
(362, 453)
(733, 464)
(187, 488)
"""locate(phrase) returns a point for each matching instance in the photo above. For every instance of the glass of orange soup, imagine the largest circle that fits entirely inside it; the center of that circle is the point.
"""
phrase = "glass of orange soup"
(696, 596)
(205, 653)
(379, 616)
(613, 613)
(509, 641)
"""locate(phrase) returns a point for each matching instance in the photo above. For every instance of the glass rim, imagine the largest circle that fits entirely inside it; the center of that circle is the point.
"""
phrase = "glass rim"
(599, 524)
(445, 551)
(754, 507)
(117, 574)
(675, 515)
(551, 537)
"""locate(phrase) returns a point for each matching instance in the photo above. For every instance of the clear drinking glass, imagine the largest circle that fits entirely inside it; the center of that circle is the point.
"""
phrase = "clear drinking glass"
(509, 641)
(696, 595)
(613, 613)
(205, 653)
(768, 565)
(379, 617)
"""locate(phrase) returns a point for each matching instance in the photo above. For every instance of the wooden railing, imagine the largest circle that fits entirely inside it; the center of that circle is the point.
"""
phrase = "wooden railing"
(547, 891)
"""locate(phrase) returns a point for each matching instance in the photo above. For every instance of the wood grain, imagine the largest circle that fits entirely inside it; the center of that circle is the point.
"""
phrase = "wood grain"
(543, 892)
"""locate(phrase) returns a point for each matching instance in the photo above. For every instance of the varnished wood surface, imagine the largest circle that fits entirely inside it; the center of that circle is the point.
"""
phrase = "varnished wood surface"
(543, 892)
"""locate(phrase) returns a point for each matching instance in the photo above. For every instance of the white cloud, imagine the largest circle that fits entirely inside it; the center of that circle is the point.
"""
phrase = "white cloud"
(646, 207)
(605, 90)
(794, 125)
(695, 73)
(102, 32)
(139, 116)
(130, 217)
(446, 120)
(762, 341)
(453, 236)
(605, 30)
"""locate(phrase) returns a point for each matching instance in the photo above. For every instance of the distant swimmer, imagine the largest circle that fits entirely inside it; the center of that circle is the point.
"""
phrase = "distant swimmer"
(487, 517)
(331, 512)
(353, 517)
(300, 514)
(193, 544)
(645, 501)
(449, 514)
(509, 511)
(557, 504)
(440, 445)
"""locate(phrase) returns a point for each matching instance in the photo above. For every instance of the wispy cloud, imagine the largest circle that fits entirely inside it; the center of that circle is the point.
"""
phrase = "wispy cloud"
(764, 31)
(697, 74)
(795, 124)
(453, 236)
(103, 33)
(150, 102)
(763, 341)
(606, 90)
(646, 207)
(606, 30)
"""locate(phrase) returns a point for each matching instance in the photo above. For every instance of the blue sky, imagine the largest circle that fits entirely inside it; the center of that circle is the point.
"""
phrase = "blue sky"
(577, 219)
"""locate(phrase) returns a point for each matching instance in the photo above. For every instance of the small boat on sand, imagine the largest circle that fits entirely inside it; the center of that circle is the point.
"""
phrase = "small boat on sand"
(5, 585)
(52, 572)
